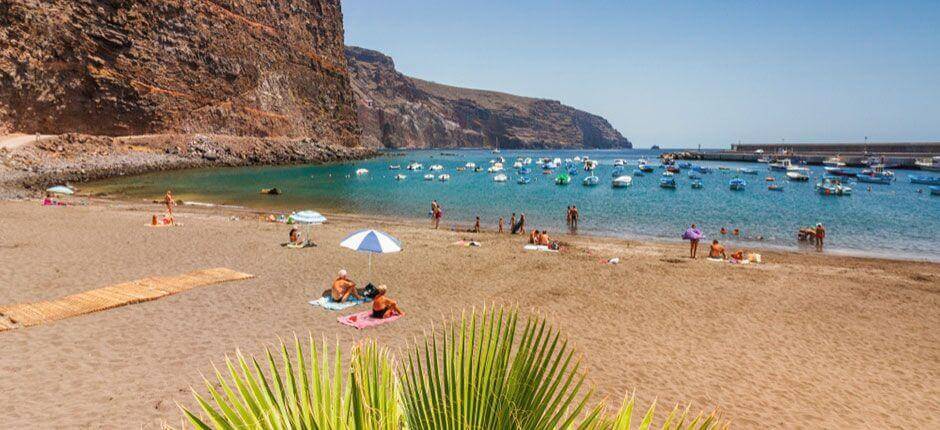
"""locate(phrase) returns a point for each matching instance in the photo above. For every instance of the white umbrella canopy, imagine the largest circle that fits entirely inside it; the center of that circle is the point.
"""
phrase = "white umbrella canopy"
(307, 218)
(371, 242)
(61, 189)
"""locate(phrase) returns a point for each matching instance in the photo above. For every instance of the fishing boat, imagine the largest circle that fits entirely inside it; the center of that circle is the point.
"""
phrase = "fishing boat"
(684, 165)
(935, 190)
(697, 184)
(496, 167)
(737, 184)
(929, 164)
(667, 181)
(834, 162)
(797, 176)
(829, 186)
(622, 181)
(443, 178)
(429, 177)
(780, 164)
(562, 179)
(638, 172)
(879, 170)
(590, 181)
(763, 160)
(646, 168)
(672, 168)
(394, 167)
(924, 179)
(694, 175)
(874, 179)
(775, 187)
(360, 172)
(620, 162)
(470, 165)
(436, 167)
(524, 171)
(523, 180)
(400, 177)
(747, 171)
(840, 171)
(702, 169)
(668, 173)
(415, 166)
(500, 178)
(517, 165)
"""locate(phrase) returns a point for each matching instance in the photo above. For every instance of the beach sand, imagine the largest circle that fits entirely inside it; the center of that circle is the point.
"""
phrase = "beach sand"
(801, 341)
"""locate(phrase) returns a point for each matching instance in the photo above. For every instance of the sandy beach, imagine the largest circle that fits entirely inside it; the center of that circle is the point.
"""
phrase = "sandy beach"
(800, 341)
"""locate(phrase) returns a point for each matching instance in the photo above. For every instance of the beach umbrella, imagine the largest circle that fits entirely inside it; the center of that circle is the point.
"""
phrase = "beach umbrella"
(61, 189)
(371, 242)
(307, 218)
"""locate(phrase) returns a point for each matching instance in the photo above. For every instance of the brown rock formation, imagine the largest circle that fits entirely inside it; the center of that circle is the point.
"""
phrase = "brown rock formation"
(397, 111)
(121, 67)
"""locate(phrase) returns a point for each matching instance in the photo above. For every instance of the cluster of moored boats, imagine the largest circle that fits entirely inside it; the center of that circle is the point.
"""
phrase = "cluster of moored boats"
(837, 179)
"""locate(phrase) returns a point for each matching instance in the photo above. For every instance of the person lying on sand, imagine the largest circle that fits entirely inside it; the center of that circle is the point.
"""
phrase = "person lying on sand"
(343, 288)
(738, 255)
(717, 251)
(382, 306)
(534, 237)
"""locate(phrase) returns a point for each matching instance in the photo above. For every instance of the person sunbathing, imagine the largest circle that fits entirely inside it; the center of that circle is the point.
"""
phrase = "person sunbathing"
(295, 236)
(382, 306)
(738, 255)
(343, 288)
(717, 251)
(544, 239)
(534, 237)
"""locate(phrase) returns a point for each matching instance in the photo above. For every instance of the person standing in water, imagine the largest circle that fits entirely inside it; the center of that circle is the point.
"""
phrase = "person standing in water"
(512, 223)
(820, 236)
(500, 226)
(575, 215)
(568, 216)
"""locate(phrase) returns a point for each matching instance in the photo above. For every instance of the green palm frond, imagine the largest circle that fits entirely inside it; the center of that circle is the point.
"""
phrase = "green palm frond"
(486, 370)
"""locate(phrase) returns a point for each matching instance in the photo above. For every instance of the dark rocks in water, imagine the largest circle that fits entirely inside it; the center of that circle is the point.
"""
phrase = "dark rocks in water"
(397, 111)
(115, 67)
(655, 147)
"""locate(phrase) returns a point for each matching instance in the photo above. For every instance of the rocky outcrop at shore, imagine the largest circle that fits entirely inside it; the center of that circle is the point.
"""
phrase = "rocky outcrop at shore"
(397, 111)
(77, 158)
(118, 67)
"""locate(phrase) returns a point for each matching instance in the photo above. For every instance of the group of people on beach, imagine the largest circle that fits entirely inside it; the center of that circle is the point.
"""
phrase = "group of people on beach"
(382, 306)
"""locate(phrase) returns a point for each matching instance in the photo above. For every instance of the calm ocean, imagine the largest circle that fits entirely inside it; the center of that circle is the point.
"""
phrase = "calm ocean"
(890, 220)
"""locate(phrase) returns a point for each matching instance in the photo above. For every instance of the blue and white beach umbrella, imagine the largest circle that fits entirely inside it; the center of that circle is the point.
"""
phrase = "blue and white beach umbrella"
(307, 217)
(372, 242)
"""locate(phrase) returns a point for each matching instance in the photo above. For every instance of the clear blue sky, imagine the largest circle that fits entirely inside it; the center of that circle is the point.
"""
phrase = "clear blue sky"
(683, 73)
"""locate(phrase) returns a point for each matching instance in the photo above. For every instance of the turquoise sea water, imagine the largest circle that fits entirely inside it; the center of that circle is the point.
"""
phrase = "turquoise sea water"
(890, 220)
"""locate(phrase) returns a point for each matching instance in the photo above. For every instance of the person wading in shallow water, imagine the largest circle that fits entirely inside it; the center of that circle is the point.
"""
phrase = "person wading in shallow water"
(437, 213)
(575, 216)
(820, 236)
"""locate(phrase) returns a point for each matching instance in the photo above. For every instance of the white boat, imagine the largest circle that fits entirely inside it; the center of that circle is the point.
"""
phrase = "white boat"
(429, 177)
(360, 172)
(443, 178)
(527, 161)
(668, 173)
(834, 162)
(470, 165)
(496, 167)
(517, 165)
(556, 160)
(622, 181)
(590, 165)
(394, 167)
(795, 175)
(400, 177)
(500, 178)
(833, 187)
(781, 164)
(591, 181)
(436, 168)
(415, 166)
(929, 164)
(620, 162)
(577, 159)
(801, 169)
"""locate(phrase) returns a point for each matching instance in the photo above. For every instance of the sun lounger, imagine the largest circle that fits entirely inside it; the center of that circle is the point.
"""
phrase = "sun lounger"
(364, 319)
(328, 303)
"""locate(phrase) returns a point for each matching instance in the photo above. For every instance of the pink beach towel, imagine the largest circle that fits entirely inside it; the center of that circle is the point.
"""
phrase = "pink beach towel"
(364, 319)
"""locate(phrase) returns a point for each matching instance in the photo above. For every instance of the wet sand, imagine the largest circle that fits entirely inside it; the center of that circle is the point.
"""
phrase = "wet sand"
(801, 341)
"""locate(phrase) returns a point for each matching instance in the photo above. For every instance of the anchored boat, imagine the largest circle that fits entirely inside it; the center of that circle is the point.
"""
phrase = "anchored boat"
(829, 186)
(590, 181)
(667, 181)
(737, 184)
(622, 182)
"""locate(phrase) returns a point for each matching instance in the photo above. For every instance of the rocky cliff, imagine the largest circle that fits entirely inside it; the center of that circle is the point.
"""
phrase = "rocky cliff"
(271, 68)
(397, 111)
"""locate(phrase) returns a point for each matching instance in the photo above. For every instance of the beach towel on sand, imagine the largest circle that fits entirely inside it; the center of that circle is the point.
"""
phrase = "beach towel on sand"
(364, 319)
(328, 303)
(542, 248)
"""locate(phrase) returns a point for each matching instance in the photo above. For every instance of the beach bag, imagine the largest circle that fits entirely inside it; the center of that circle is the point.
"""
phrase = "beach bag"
(369, 291)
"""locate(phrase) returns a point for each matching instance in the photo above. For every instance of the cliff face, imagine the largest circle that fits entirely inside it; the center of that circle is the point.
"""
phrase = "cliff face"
(116, 67)
(397, 111)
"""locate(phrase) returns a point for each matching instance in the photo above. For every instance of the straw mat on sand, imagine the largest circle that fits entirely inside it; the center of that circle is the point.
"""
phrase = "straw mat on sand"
(141, 290)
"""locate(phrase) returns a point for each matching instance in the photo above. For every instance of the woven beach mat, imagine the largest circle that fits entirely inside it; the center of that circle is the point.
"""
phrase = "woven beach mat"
(141, 290)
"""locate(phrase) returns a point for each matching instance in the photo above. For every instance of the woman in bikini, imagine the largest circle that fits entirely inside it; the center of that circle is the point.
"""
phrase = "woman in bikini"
(382, 306)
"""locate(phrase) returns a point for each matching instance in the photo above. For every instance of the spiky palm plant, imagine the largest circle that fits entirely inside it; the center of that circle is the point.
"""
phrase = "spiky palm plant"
(479, 372)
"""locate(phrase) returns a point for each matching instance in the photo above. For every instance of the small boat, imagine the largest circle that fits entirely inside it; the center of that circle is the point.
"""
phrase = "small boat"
(929, 164)
(360, 172)
(477, 169)
(436, 168)
(770, 179)
(429, 177)
(697, 184)
(415, 166)
(724, 169)
(667, 182)
(832, 187)
(443, 178)
(524, 171)
(935, 190)
(668, 173)
(672, 168)
(840, 171)
(684, 165)
(394, 167)
(834, 162)
(878, 169)
(590, 165)
(775, 187)
(573, 171)
(763, 160)
(496, 167)
(527, 161)
(747, 171)
(646, 168)
(874, 179)
(577, 159)
(694, 175)
(622, 181)
(461, 169)
(269, 191)
(517, 165)
(523, 180)
(783, 164)
(400, 177)
(620, 162)
(924, 179)
(797, 176)
(495, 150)
(737, 184)
(500, 178)
(470, 165)
(590, 181)
(701, 169)
(562, 179)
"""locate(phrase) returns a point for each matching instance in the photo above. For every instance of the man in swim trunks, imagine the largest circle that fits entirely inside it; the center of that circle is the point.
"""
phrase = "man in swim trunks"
(343, 288)
(820, 236)
(169, 202)
(717, 251)
(382, 306)
(500, 228)
(544, 239)
(574, 217)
